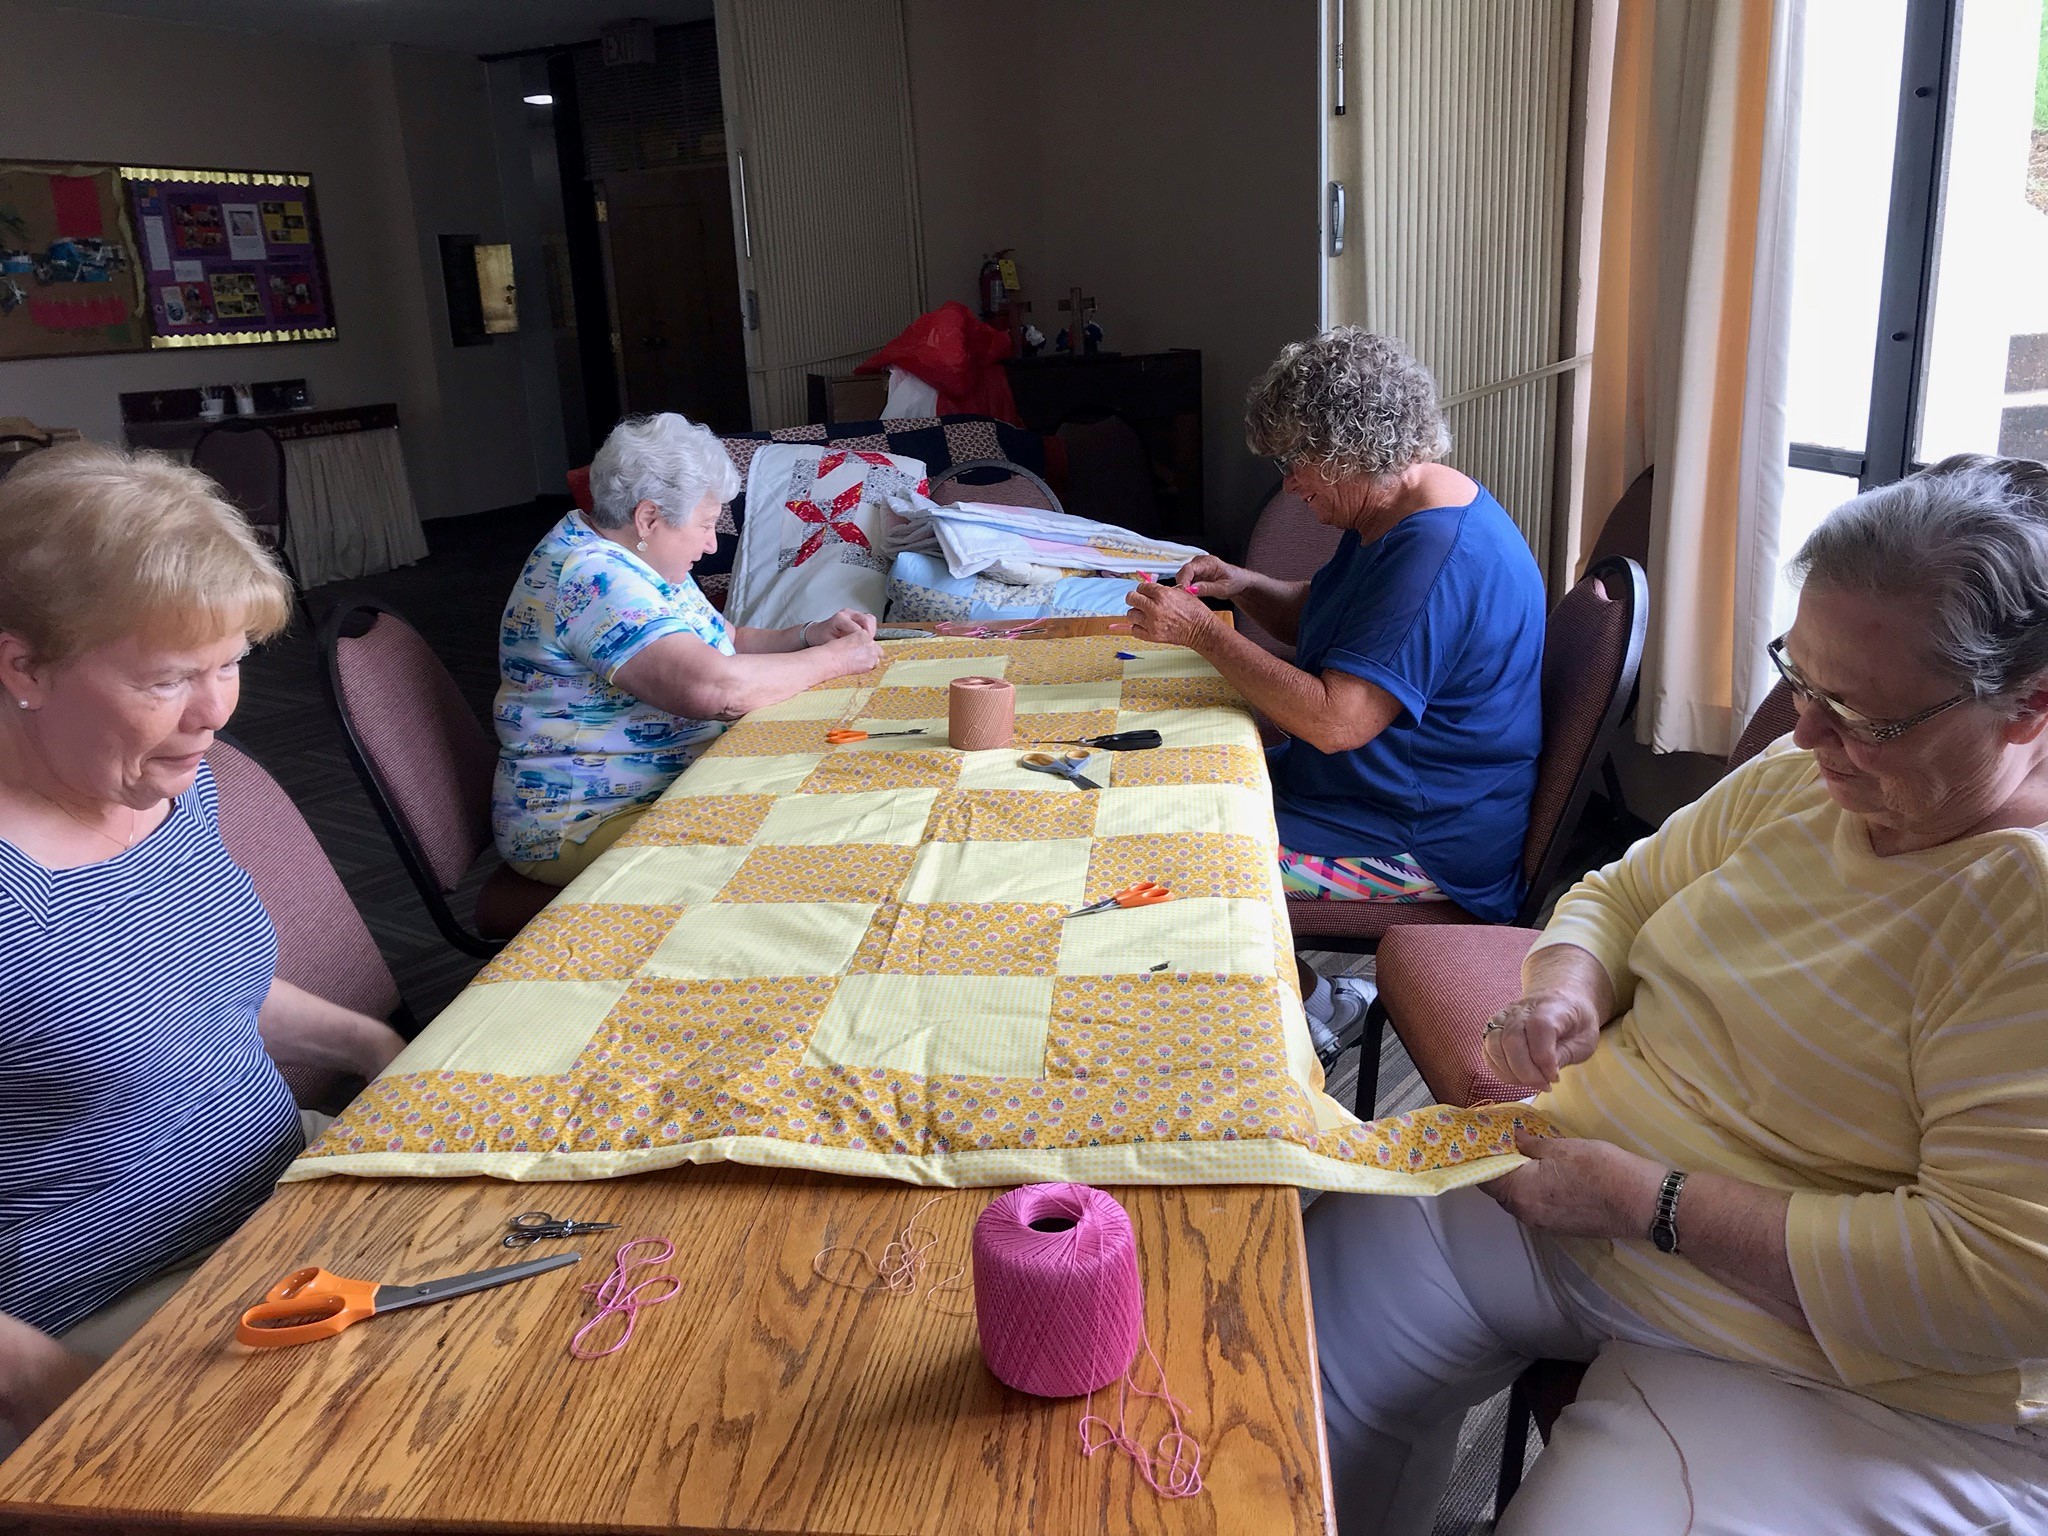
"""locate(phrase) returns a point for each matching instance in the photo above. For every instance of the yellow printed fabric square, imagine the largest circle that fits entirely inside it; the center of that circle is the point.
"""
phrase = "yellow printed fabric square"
(1008, 816)
(1189, 864)
(852, 771)
(719, 820)
(892, 703)
(1192, 765)
(1055, 725)
(570, 942)
(849, 872)
(859, 960)
(961, 939)
(1210, 692)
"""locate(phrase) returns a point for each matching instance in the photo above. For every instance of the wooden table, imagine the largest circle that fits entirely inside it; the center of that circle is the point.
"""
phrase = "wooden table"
(762, 1399)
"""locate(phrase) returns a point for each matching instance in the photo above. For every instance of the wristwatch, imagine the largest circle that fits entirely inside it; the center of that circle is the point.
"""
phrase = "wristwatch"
(1664, 1225)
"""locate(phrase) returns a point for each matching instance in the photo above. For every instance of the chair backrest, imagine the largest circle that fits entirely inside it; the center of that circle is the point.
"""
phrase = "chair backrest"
(1592, 649)
(1778, 713)
(425, 760)
(323, 944)
(993, 480)
(1109, 474)
(247, 462)
(1288, 542)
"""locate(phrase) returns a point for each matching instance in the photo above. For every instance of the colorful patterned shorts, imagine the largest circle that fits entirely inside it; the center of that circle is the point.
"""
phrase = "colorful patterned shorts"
(1398, 878)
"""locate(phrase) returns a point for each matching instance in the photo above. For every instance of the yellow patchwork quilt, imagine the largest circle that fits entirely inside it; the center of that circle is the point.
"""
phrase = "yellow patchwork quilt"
(854, 959)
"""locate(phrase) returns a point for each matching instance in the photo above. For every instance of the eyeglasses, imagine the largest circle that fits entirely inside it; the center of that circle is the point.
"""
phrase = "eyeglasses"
(1858, 727)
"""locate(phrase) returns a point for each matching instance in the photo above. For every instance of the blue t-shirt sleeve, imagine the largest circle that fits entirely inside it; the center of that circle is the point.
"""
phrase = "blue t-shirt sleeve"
(1403, 628)
(607, 611)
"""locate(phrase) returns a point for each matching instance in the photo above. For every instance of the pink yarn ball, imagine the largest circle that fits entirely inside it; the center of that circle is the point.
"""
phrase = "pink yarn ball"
(1056, 1293)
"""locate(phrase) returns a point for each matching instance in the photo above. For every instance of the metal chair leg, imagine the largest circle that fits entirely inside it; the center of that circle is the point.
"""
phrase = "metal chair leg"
(1367, 1098)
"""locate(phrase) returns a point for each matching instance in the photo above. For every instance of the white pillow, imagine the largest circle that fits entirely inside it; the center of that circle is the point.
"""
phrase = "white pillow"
(813, 541)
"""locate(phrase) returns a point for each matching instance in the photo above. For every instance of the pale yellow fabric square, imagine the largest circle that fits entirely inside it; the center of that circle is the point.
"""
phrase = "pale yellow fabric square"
(967, 938)
(1002, 769)
(523, 1028)
(828, 704)
(1192, 727)
(1207, 934)
(744, 775)
(1068, 698)
(937, 671)
(869, 816)
(796, 938)
(656, 876)
(1052, 871)
(1176, 808)
(935, 1026)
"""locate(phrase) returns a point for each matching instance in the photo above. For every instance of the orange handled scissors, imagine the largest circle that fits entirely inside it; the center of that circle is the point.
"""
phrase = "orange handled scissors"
(1146, 893)
(310, 1304)
(841, 737)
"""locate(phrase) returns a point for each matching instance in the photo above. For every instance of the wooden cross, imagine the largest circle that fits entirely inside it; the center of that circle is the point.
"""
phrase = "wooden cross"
(1078, 306)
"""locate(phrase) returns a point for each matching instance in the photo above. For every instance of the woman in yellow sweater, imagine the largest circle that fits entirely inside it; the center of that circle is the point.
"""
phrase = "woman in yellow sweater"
(1798, 1043)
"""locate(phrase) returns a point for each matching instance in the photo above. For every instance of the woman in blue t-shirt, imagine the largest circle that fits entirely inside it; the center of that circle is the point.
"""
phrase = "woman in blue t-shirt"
(1413, 708)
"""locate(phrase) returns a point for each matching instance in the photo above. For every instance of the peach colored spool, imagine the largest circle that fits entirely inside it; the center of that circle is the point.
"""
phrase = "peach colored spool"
(981, 713)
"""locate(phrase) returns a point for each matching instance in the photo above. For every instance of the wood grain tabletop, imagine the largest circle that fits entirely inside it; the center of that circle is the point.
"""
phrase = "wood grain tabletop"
(762, 1399)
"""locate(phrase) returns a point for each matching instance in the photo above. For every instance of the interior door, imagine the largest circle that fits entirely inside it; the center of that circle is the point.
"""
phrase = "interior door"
(824, 186)
(674, 283)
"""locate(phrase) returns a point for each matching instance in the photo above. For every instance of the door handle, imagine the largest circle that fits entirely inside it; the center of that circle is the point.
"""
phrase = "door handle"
(1336, 218)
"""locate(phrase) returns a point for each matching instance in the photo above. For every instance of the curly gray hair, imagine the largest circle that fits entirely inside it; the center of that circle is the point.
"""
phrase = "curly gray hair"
(1968, 536)
(666, 459)
(1350, 401)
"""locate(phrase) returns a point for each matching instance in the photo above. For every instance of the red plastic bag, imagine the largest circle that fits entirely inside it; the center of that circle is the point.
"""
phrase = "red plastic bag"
(958, 356)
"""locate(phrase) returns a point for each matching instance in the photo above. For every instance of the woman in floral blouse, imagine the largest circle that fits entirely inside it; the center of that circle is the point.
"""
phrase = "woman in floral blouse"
(617, 671)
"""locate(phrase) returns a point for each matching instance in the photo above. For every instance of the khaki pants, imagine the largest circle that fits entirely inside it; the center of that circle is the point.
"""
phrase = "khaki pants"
(577, 857)
(98, 1336)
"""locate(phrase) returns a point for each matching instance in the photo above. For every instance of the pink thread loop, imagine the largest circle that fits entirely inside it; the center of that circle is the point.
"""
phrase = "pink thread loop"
(1171, 1467)
(903, 1263)
(617, 1296)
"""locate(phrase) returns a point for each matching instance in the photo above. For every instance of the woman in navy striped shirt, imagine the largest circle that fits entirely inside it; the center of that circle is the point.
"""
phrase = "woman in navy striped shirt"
(142, 1117)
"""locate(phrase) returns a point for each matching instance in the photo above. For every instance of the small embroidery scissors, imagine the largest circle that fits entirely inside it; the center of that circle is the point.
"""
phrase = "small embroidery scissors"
(843, 735)
(1067, 765)
(310, 1304)
(533, 1226)
(1117, 741)
(1146, 893)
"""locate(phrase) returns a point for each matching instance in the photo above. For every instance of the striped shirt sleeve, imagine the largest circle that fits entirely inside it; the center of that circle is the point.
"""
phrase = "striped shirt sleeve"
(1949, 1271)
(1603, 913)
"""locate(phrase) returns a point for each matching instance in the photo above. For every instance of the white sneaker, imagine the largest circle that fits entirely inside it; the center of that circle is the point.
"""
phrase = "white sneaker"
(1350, 997)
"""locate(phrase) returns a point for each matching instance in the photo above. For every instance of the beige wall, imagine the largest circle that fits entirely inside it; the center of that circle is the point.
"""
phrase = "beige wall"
(379, 130)
(1160, 153)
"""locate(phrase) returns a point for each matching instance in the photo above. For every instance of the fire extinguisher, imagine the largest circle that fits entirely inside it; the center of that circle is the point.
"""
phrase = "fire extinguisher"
(993, 293)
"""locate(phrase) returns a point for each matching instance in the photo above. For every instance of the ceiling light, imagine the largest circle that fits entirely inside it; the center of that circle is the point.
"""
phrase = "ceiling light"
(542, 100)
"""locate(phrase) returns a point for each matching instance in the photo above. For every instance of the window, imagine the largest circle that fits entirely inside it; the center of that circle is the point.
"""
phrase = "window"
(1920, 310)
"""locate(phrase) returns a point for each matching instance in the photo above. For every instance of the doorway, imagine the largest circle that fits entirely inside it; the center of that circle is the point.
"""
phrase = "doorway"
(673, 281)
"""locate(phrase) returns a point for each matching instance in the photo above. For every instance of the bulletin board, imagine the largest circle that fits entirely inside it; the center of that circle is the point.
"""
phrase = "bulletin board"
(229, 257)
(70, 274)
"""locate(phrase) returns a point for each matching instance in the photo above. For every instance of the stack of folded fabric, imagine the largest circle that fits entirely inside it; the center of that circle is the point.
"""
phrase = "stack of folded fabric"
(978, 560)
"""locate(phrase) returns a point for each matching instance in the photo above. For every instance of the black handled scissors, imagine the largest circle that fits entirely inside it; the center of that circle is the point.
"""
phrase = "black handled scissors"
(530, 1227)
(1118, 741)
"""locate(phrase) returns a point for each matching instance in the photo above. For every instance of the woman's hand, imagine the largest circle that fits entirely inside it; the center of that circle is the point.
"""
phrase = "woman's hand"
(1539, 1034)
(855, 652)
(844, 623)
(1169, 616)
(1209, 577)
(1579, 1188)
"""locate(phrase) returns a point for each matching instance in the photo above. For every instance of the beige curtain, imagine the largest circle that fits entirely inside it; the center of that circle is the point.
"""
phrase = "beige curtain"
(1690, 279)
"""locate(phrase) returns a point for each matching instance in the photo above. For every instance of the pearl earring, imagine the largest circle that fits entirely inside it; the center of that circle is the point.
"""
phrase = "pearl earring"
(641, 546)
(21, 703)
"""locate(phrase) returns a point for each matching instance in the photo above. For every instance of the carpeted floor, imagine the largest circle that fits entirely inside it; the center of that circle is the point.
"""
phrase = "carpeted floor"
(454, 598)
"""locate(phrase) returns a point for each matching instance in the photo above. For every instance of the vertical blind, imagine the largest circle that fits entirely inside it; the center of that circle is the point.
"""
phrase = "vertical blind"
(1453, 149)
(818, 119)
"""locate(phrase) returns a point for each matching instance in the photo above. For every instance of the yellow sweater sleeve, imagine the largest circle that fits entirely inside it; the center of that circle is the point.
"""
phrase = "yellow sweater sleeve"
(1948, 1272)
(1603, 913)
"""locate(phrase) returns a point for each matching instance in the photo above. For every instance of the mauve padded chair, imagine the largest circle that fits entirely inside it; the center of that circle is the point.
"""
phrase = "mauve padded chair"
(247, 462)
(323, 944)
(993, 480)
(1592, 648)
(1438, 987)
(426, 763)
(1286, 542)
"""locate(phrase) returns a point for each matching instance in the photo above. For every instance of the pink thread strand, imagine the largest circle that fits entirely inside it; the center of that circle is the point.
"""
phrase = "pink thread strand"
(618, 1296)
(902, 1266)
(1172, 1465)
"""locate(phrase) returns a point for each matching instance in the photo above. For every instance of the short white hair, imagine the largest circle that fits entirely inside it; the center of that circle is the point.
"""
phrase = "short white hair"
(666, 459)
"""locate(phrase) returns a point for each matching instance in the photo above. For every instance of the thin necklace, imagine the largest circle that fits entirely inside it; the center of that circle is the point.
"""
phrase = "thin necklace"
(134, 819)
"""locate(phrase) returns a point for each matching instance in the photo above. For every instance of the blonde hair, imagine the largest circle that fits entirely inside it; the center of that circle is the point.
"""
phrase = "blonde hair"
(97, 543)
